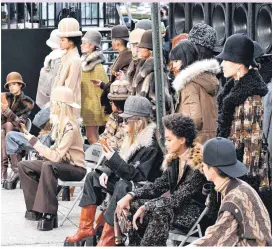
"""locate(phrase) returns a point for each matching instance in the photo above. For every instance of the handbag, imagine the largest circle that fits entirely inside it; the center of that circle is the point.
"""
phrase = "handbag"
(122, 226)
(42, 117)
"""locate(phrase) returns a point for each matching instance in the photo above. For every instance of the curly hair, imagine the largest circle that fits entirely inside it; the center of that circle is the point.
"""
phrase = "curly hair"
(181, 126)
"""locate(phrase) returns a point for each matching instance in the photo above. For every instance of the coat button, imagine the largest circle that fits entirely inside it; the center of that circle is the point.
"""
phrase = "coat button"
(236, 210)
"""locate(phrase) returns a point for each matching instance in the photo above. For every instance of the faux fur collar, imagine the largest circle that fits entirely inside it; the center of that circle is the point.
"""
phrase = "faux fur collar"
(197, 68)
(234, 94)
(146, 67)
(90, 60)
(143, 139)
(193, 158)
(55, 54)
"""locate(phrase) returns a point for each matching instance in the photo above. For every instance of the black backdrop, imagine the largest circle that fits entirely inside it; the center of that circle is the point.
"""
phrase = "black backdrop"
(24, 51)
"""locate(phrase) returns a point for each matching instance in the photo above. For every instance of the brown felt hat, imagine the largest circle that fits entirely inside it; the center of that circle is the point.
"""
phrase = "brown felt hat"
(120, 32)
(14, 77)
(146, 40)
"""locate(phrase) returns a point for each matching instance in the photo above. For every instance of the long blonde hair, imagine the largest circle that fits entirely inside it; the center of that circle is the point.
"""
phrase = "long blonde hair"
(60, 120)
(139, 124)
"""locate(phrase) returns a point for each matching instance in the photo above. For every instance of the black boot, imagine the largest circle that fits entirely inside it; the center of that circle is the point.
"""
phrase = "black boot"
(33, 215)
(48, 222)
(14, 178)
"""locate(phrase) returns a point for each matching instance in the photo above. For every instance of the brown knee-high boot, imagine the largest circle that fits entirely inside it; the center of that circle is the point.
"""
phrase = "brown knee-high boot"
(108, 236)
(14, 178)
(86, 225)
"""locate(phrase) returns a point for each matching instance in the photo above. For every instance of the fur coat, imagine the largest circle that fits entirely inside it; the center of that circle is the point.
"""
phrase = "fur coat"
(197, 87)
(144, 84)
(19, 108)
(47, 76)
(240, 119)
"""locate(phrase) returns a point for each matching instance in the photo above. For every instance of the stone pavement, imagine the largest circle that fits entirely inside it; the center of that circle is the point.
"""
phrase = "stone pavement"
(17, 231)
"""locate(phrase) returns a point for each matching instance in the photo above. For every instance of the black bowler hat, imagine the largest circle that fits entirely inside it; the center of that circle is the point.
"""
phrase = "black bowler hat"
(220, 153)
(239, 48)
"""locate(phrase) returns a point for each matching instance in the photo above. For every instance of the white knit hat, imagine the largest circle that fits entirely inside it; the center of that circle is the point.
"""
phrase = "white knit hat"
(54, 40)
(135, 35)
(69, 27)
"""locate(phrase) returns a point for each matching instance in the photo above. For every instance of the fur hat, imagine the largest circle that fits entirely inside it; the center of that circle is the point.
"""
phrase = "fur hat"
(238, 48)
(136, 35)
(93, 37)
(204, 35)
(145, 24)
(120, 32)
(146, 40)
(14, 77)
(69, 27)
(54, 39)
(120, 90)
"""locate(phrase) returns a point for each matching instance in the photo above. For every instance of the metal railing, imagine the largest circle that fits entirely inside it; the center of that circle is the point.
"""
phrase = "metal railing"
(48, 15)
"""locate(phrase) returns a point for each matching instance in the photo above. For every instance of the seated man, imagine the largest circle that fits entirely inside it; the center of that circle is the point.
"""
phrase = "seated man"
(15, 109)
(243, 219)
(175, 199)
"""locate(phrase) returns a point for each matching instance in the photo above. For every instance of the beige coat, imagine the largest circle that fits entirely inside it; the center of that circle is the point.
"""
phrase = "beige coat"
(69, 150)
(70, 75)
(197, 86)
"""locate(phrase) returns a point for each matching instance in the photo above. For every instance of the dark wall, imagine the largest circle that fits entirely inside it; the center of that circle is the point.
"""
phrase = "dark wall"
(253, 19)
(24, 51)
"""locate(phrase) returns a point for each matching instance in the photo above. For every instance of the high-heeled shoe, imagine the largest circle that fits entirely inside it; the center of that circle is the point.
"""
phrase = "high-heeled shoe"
(11, 183)
(33, 215)
(48, 222)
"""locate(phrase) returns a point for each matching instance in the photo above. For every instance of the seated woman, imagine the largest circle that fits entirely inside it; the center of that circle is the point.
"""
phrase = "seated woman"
(17, 144)
(64, 160)
(15, 109)
(181, 183)
(139, 160)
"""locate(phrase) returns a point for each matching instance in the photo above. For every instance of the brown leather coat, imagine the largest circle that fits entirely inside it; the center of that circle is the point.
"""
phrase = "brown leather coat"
(197, 86)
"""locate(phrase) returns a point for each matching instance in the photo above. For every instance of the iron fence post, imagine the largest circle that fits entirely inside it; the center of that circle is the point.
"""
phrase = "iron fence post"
(158, 69)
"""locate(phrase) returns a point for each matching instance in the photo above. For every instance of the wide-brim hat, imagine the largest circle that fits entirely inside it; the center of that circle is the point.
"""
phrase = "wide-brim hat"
(64, 94)
(14, 77)
(239, 48)
(54, 40)
(221, 153)
(137, 106)
(258, 50)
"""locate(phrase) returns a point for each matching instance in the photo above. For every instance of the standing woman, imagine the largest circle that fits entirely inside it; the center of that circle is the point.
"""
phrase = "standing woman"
(91, 63)
(197, 86)
(64, 160)
(241, 107)
(70, 73)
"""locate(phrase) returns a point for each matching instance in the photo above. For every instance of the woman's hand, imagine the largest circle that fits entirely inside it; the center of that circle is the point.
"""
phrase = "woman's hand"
(4, 102)
(97, 83)
(108, 151)
(120, 75)
(123, 203)
(103, 180)
(138, 215)
(28, 136)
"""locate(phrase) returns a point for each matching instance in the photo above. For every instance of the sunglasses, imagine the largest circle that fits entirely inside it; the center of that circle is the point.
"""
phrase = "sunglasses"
(126, 121)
